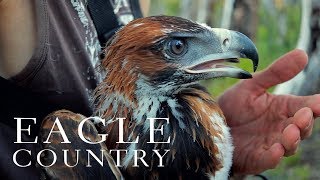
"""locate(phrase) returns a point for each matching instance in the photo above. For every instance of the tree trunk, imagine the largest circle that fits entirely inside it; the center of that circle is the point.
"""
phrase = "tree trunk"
(245, 17)
(203, 11)
(308, 81)
(227, 13)
(210, 17)
(156, 8)
(186, 9)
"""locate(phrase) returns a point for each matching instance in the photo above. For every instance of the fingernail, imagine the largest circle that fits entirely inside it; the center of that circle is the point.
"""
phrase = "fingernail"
(309, 119)
(311, 114)
(308, 126)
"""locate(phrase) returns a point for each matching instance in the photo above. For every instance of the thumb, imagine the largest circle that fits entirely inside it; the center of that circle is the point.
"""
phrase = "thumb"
(282, 70)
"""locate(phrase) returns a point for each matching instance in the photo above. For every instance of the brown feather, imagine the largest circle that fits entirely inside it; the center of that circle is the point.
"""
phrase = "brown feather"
(70, 122)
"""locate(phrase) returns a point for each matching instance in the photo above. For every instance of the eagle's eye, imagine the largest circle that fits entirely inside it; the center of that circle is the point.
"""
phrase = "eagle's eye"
(177, 46)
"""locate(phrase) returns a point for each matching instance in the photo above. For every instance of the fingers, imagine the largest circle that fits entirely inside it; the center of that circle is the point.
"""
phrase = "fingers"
(304, 120)
(272, 157)
(284, 69)
(297, 128)
(295, 103)
(290, 139)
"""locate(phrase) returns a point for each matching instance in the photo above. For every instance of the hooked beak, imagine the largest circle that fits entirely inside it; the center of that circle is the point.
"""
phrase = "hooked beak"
(233, 46)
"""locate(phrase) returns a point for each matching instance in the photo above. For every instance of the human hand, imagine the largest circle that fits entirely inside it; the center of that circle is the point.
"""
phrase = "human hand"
(266, 127)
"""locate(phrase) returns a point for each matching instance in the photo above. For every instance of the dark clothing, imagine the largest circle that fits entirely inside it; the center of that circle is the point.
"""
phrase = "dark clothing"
(62, 73)
(62, 69)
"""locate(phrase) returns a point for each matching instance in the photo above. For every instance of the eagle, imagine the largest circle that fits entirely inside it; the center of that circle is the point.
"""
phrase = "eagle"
(153, 67)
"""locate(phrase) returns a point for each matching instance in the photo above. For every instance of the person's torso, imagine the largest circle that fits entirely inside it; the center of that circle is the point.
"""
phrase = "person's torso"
(63, 72)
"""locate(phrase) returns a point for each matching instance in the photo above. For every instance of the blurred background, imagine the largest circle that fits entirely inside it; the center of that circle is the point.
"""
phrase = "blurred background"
(276, 27)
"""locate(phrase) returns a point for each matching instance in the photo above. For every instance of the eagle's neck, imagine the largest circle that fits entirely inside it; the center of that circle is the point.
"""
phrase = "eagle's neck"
(151, 99)
(199, 136)
(195, 120)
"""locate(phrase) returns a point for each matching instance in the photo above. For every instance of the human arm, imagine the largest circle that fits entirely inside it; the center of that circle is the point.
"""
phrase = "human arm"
(17, 35)
(145, 6)
(266, 127)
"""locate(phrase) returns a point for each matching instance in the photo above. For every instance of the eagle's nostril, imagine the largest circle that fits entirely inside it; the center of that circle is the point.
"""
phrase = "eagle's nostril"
(225, 41)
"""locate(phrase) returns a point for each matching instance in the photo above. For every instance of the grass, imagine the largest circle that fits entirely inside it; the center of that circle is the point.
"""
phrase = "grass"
(290, 168)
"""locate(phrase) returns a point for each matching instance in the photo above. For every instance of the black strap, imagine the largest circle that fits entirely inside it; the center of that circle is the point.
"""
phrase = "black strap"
(106, 22)
(136, 9)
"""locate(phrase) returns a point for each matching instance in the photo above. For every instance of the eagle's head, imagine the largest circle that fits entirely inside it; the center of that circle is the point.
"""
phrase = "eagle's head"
(170, 52)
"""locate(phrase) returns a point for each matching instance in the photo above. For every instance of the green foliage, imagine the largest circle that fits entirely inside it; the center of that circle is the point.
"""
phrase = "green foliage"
(216, 15)
(171, 7)
(290, 168)
(269, 43)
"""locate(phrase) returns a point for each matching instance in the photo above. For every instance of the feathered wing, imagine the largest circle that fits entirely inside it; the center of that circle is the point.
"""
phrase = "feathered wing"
(70, 122)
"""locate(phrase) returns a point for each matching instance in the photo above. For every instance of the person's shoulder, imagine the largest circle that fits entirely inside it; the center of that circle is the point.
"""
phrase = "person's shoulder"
(13, 4)
(5, 3)
(18, 32)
